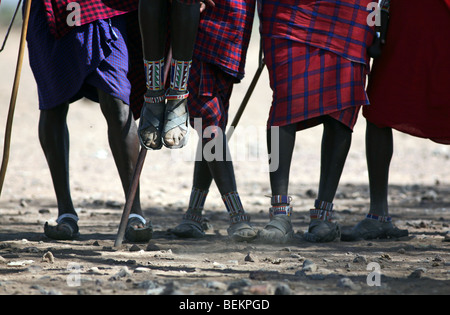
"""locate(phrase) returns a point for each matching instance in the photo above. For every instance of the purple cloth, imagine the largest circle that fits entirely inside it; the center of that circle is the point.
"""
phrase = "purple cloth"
(90, 56)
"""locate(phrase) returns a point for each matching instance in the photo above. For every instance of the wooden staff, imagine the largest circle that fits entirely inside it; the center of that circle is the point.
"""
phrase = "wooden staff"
(12, 104)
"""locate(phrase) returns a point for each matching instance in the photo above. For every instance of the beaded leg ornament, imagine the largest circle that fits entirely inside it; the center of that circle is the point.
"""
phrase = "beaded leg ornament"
(196, 204)
(152, 114)
(323, 210)
(234, 207)
(176, 126)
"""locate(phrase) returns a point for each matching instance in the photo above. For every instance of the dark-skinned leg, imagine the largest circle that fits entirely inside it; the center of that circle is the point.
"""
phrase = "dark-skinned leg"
(336, 141)
(153, 21)
(377, 224)
(54, 139)
(184, 25)
(279, 229)
(221, 170)
(124, 144)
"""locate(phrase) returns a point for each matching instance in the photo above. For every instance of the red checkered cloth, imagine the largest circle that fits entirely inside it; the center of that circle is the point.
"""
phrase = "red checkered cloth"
(339, 26)
(224, 35)
(309, 82)
(316, 54)
(209, 98)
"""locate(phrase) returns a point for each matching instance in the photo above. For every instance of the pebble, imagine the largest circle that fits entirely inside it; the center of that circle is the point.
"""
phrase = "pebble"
(283, 289)
(48, 257)
(359, 259)
(123, 272)
(2, 260)
(309, 266)
(249, 258)
(416, 274)
(134, 248)
(20, 263)
(347, 283)
(216, 285)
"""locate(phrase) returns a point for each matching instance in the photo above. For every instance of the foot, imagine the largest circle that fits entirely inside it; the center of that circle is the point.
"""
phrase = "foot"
(152, 119)
(138, 229)
(241, 232)
(320, 231)
(176, 126)
(278, 230)
(372, 229)
(66, 228)
(189, 229)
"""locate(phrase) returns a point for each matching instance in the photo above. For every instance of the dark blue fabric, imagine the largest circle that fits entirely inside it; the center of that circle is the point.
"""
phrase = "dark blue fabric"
(91, 56)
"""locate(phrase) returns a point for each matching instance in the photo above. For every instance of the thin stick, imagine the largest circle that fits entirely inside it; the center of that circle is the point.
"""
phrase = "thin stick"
(12, 104)
(135, 180)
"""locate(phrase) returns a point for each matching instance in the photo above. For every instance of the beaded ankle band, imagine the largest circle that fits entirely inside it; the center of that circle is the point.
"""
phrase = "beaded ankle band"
(280, 210)
(323, 210)
(154, 99)
(380, 218)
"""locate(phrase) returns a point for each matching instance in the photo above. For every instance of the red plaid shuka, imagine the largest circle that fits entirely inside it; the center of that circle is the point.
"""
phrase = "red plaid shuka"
(224, 35)
(219, 60)
(316, 55)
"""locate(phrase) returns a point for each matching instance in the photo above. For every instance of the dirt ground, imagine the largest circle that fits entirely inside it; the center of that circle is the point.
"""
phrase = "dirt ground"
(32, 264)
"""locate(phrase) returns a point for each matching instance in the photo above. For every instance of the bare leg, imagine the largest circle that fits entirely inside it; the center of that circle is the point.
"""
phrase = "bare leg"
(153, 21)
(54, 139)
(336, 141)
(184, 24)
(124, 144)
(279, 229)
(377, 224)
(379, 151)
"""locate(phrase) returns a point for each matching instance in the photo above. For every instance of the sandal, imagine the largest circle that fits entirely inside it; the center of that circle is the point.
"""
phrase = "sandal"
(176, 116)
(138, 235)
(242, 231)
(321, 229)
(368, 229)
(279, 229)
(151, 121)
(189, 229)
(66, 228)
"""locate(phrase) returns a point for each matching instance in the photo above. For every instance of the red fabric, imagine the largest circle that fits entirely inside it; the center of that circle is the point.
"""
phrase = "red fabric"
(409, 88)
(339, 26)
(309, 82)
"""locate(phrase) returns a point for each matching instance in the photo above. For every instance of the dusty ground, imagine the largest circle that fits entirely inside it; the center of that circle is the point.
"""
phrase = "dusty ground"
(419, 199)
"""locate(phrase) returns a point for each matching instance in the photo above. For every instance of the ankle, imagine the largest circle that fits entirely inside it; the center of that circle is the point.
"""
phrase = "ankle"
(323, 211)
(380, 218)
(234, 207)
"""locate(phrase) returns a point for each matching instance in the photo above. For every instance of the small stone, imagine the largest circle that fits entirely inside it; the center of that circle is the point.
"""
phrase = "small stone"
(44, 211)
(359, 259)
(417, 274)
(309, 265)
(48, 257)
(152, 247)
(347, 283)
(283, 289)
(249, 258)
(134, 248)
(216, 285)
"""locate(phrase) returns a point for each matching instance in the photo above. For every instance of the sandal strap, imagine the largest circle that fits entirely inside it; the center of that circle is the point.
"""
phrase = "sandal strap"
(242, 217)
(67, 216)
(137, 216)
